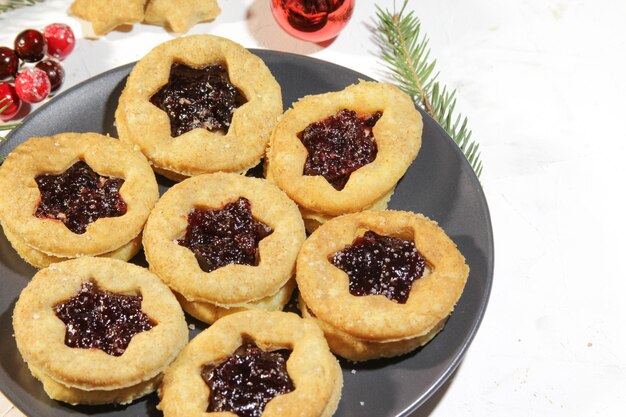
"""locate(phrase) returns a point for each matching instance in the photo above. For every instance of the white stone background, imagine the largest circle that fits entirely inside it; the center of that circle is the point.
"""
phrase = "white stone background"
(542, 82)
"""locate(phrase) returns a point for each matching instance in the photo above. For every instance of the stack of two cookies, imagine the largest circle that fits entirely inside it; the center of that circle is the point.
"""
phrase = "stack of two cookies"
(74, 195)
(225, 243)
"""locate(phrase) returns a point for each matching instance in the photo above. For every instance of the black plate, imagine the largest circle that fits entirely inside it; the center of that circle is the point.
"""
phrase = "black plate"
(439, 184)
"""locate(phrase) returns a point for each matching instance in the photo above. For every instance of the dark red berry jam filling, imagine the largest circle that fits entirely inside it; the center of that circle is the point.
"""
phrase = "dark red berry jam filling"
(247, 380)
(225, 236)
(198, 98)
(103, 320)
(79, 196)
(339, 145)
(381, 265)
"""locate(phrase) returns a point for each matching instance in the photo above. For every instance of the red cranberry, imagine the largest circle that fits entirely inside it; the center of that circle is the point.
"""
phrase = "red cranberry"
(60, 39)
(9, 97)
(56, 73)
(9, 63)
(30, 45)
(32, 85)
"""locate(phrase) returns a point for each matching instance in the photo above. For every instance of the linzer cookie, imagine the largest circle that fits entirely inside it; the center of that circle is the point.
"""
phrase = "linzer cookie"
(225, 242)
(97, 330)
(379, 283)
(199, 104)
(253, 364)
(344, 152)
(75, 195)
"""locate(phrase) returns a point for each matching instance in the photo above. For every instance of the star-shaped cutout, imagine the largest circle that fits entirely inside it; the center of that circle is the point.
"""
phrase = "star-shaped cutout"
(339, 145)
(381, 265)
(229, 235)
(102, 320)
(180, 15)
(106, 15)
(198, 98)
(79, 196)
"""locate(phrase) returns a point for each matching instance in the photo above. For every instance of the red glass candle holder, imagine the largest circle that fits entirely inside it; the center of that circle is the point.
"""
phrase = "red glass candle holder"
(312, 20)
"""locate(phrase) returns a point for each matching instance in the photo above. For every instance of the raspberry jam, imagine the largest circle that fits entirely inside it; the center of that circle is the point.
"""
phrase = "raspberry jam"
(381, 265)
(103, 320)
(79, 196)
(247, 380)
(198, 98)
(225, 236)
(339, 145)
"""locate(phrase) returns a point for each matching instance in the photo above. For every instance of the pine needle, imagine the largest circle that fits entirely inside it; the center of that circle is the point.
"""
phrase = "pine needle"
(8, 126)
(5, 103)
(406, 55)
(6, 5)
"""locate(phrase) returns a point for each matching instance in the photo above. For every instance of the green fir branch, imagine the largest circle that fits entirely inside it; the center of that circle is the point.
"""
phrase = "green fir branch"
(6, 5)
(406, 55)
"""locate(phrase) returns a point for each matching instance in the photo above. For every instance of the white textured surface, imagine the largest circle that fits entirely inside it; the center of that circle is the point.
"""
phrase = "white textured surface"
(543, 85)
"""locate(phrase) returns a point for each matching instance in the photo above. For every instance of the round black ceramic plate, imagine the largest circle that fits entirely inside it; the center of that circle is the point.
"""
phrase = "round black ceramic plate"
(439, 184)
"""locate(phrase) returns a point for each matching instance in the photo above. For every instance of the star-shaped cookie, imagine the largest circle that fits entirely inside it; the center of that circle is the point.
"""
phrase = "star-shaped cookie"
(180, 15)
(106, 15)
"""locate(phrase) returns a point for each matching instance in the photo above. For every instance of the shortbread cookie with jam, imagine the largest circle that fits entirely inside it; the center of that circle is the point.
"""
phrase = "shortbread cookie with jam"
(253, 364)
(98, 330)
(380, 283)
(106, 15)
(226, 240)
(75, 195)
(199, 104)
(180, 15)
(345, 151)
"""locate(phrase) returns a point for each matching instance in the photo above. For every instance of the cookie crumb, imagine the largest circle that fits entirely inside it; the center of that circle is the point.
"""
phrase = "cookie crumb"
(589, 344)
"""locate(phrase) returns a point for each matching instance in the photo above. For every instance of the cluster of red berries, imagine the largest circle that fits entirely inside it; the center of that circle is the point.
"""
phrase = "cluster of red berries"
(33, 84)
